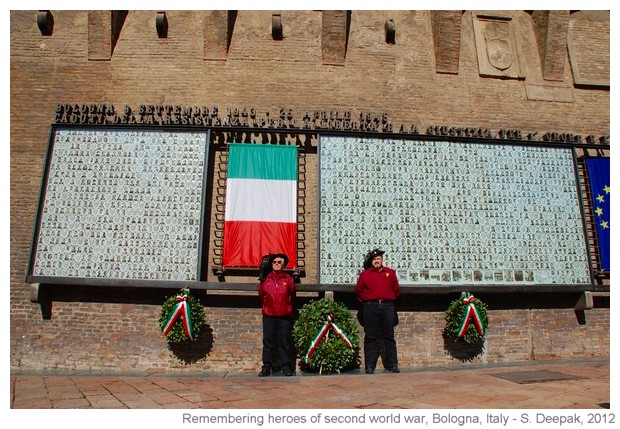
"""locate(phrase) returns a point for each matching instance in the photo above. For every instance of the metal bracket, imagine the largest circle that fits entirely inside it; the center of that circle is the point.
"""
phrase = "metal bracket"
(39, 295)
(34, 293)
(586, 302)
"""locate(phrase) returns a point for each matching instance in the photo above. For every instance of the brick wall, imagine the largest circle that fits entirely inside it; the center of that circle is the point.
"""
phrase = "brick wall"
(125, 337)
(118, 330)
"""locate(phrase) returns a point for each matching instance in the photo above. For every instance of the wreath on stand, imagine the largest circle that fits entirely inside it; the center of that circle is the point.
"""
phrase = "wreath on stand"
(467, 319)
(182, 317)
(326, 337)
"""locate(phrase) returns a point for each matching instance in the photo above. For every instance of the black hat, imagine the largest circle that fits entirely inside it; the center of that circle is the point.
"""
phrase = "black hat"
(370, 256)
(279, 255)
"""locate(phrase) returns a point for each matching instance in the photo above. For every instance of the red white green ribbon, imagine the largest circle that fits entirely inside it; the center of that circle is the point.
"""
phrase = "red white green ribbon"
(471, 313)
(180, 311)
(329, 324)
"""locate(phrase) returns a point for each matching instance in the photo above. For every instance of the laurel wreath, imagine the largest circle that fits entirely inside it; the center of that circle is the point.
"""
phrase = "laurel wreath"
(326, 337)
(467, 319)
(178, 333)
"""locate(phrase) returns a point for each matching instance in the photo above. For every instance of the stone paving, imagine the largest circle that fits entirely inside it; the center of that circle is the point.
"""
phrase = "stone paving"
(534, 385)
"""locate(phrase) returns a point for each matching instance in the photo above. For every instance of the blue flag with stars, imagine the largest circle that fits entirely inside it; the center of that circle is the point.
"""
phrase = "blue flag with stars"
(598, 173)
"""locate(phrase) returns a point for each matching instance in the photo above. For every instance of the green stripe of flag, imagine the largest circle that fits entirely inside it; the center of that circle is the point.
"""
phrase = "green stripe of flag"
(258, 161)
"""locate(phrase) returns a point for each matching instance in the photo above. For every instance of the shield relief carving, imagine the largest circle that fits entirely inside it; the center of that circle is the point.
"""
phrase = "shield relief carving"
(499, 54)
(495, 46)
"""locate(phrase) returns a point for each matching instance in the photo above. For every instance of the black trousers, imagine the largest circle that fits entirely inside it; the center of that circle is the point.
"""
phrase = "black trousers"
(277, 338)
(379, 334)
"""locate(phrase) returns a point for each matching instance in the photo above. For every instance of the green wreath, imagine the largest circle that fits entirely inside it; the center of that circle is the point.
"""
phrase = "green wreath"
(326, 337)
(182, 317)
(467, 319)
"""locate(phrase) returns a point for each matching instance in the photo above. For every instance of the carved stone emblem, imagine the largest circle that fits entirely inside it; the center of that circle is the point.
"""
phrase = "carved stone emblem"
(495, 46)
(499, 53)
(499, 50)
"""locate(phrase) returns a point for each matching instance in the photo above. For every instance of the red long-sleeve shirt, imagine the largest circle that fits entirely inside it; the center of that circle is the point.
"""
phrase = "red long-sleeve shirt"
(374, 284)
(277, 294)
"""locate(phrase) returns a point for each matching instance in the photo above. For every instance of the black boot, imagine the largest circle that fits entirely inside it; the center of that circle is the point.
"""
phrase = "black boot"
(265, 372)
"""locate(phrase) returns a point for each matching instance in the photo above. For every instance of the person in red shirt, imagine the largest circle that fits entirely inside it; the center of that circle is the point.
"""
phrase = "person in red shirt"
(377, 288)
(277, 295)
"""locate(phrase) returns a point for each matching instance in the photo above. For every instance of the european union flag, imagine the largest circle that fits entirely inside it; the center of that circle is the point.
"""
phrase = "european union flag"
(598, 172)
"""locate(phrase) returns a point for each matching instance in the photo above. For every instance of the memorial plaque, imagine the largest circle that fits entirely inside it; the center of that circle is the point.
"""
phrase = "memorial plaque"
(450, 212)
(121, 204)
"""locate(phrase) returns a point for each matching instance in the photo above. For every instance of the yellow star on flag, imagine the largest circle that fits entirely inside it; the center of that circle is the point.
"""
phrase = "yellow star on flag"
(607, 189)
(599, 211)
(600, 199)
(605, 224)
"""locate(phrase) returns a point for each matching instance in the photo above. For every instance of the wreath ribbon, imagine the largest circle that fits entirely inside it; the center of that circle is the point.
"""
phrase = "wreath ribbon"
(180, 311)
(471, 313)
(322, 332)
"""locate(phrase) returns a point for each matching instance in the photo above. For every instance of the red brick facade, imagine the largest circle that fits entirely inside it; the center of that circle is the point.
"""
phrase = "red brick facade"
(434, 73)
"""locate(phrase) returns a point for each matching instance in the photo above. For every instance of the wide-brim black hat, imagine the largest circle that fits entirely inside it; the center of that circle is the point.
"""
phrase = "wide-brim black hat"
(278, 255)
(371, 255)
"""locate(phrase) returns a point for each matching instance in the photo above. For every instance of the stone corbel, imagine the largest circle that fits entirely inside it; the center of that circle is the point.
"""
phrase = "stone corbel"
(446, 26)
(218, 29)
(586, 302)
(551, 30)
(335, 36)
(34, 292)
(39, 295)
(104, 29)
(588, 50)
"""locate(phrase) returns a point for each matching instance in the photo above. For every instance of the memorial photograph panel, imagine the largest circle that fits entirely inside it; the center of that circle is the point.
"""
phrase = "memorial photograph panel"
(450, 212)
(121, 204)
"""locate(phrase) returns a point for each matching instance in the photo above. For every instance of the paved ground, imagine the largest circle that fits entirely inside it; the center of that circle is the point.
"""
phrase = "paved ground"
(548, 385)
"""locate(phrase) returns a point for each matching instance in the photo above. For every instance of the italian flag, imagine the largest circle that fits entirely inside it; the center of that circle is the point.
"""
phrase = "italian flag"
(261, 204)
